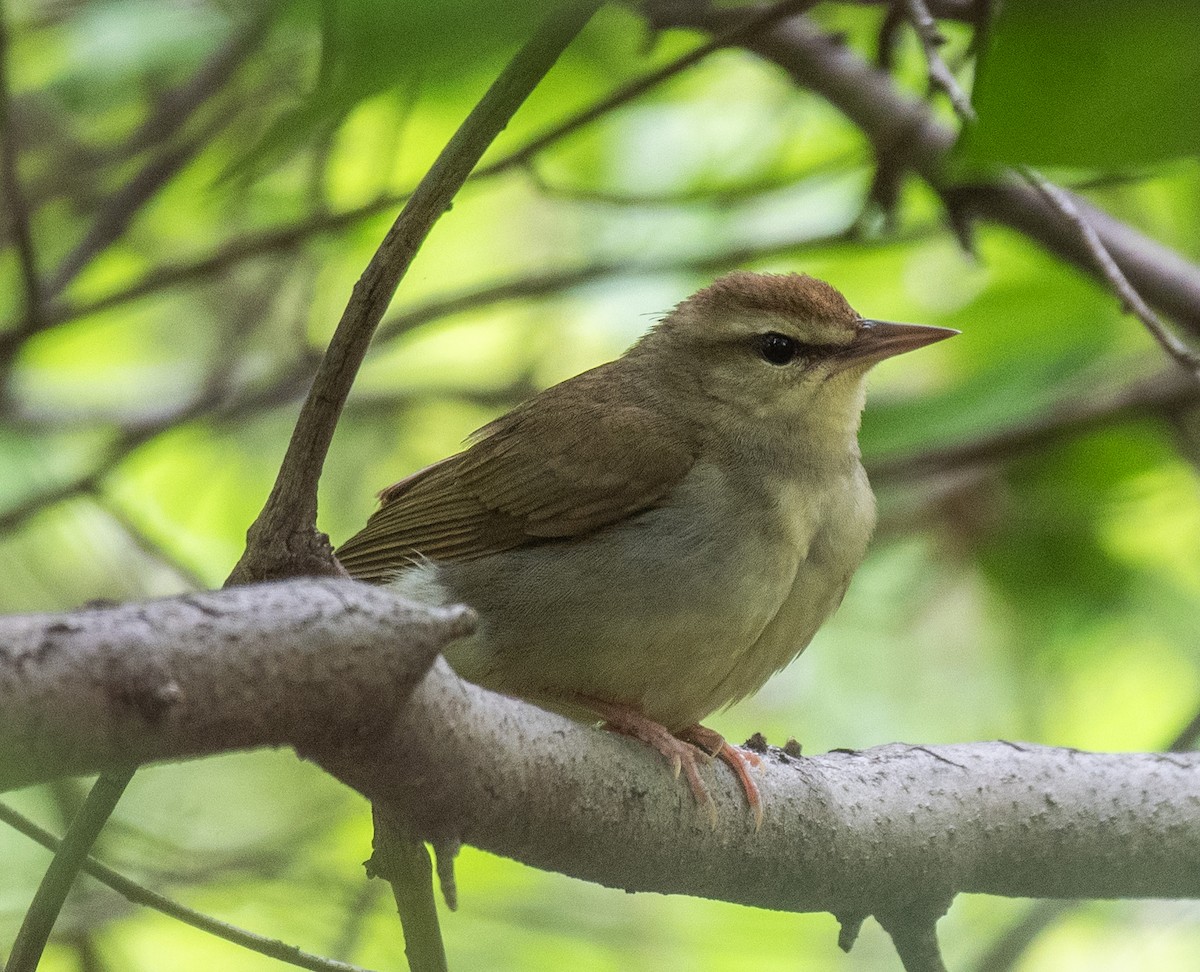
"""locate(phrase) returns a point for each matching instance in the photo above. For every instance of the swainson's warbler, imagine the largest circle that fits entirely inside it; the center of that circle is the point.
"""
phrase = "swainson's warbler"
(651, 540)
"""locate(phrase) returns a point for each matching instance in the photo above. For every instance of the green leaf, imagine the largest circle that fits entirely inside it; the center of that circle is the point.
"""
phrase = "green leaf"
(1094, 85)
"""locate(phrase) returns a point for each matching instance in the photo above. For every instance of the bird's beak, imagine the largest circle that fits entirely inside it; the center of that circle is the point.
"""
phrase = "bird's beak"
(877, 340)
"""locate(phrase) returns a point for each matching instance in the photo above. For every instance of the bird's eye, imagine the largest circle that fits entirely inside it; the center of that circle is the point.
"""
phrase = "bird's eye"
(778, 349)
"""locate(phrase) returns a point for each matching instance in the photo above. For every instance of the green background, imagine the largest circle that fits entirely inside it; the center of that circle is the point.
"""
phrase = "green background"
(1048, 596)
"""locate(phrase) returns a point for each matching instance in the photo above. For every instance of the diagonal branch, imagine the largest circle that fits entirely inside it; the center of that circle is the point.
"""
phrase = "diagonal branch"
(283, 541)
(1131, 300)
(69, 857)
(940, 75)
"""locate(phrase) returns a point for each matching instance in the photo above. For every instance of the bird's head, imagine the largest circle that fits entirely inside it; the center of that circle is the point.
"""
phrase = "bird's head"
(778, 349)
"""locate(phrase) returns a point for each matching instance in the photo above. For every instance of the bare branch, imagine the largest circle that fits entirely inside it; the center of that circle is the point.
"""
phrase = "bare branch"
(322, 665)
(552, 793)
(1008, 947)
(1131, 300)
(265, 665)
(940, 75)
(283, 540)
(402, 860)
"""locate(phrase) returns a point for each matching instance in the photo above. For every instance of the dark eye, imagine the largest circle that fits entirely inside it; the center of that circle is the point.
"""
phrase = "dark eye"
(778, 349)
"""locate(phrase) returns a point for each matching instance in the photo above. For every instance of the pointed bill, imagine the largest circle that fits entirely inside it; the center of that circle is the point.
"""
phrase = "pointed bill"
(877, 340)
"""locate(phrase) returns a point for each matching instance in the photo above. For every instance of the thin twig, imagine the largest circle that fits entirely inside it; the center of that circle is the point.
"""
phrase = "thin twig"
(283, 540)
(10, 189)
(940, 75)
(67, 795)
(139, 895)
(70, 855)
(1131, 300)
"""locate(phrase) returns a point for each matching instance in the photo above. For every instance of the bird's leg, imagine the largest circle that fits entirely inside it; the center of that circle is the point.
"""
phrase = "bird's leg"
(681, 753)
(739, 760)
(683, 749)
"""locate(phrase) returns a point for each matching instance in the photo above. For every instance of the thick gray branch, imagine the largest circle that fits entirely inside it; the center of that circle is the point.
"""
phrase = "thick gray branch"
(326, 665)
(853, 833)
(310, 662)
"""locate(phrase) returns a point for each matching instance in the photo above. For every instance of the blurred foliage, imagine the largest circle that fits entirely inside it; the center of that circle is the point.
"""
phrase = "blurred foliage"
(1101, 85)
(1045, 593)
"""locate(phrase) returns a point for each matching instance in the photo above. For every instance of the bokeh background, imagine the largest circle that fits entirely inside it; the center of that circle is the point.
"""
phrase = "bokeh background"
(198, 184)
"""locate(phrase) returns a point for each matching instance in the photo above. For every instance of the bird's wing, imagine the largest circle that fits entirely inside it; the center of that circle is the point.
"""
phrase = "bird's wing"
(561, 465)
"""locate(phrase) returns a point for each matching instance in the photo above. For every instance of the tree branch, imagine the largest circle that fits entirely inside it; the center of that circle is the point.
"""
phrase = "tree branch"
(60, 875)
(203, 673)
(1131, 300)
(322, 664)
(992, 818)
(402, 860)
(940, 75)
(283, 541)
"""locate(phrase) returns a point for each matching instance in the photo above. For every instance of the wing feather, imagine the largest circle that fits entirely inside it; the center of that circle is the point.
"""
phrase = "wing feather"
(579, 456)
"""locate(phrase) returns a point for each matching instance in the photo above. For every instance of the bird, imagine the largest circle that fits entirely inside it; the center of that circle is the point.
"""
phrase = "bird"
(649, 541)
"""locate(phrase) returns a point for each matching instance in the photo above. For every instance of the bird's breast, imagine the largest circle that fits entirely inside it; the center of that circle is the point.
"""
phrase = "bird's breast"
(678, 610)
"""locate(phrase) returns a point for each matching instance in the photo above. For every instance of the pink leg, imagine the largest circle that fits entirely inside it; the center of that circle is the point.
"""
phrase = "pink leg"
(739, 760)
(684, 750)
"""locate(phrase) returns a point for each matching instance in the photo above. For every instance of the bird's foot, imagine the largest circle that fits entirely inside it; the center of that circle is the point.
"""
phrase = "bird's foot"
(684, 750)
(737, 759)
